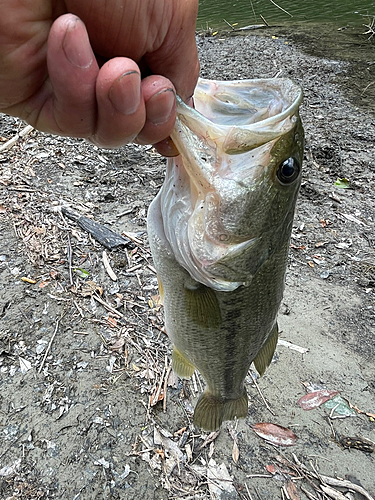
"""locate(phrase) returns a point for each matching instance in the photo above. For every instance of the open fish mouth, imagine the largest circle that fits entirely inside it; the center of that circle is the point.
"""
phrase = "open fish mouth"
(220, 196)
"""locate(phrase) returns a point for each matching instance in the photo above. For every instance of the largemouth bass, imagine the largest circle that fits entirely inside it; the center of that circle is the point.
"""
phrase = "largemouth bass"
(219, 232)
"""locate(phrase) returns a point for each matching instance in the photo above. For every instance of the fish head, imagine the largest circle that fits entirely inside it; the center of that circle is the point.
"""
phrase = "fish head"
(230, 195)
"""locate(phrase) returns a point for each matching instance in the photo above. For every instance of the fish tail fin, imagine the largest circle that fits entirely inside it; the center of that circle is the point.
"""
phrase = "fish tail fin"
(265, 355)
(211, 412)
(181, 365)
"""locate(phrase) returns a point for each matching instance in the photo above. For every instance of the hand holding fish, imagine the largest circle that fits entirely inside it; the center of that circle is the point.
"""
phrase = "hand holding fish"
(104, 70)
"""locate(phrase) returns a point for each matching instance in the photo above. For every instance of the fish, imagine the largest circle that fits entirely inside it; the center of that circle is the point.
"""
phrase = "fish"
(219, 232)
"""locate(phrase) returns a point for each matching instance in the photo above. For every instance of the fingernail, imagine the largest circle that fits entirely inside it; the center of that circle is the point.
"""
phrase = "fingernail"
(167, 148)
(160, 106)
(77, 51)
(125, 93)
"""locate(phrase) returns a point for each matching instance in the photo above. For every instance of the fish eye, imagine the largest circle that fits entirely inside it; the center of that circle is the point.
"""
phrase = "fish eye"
(288, 170)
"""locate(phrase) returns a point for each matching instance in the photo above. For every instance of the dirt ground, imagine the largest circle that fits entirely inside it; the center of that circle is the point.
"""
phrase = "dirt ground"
(89, 408)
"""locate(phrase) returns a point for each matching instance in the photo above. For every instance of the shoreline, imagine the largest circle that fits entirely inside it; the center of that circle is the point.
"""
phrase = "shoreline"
(326, 41)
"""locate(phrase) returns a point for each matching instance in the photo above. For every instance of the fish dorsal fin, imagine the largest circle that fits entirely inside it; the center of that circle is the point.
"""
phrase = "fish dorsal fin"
(265, 355)
(181, 365)
(202, 306)
(211, 411)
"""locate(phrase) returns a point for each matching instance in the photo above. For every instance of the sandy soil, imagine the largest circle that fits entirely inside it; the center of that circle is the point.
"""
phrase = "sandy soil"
(88, 406)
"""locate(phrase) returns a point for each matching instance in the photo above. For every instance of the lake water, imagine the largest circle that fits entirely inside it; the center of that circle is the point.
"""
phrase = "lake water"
(246, 12)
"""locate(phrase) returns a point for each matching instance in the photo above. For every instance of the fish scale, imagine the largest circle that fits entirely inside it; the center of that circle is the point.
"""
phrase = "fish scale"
(221, 271)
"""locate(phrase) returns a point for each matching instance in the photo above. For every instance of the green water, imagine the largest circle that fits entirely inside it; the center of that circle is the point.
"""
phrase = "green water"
(246, 12)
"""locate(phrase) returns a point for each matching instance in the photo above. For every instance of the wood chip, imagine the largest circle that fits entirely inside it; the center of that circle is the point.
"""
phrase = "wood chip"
(293, 347)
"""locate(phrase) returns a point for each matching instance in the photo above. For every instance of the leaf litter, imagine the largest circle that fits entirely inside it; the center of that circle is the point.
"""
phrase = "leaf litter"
(118, 325)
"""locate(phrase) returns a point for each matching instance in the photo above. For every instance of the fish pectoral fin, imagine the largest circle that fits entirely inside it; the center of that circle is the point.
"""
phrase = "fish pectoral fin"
(180, 365)
(211, 412)
(265, 355)
(202, 306)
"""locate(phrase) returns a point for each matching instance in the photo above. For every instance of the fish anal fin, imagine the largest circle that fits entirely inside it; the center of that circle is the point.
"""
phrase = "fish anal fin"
(203, 307)
(211, 411)
(161, 290)
(180, 365)
(265, 355)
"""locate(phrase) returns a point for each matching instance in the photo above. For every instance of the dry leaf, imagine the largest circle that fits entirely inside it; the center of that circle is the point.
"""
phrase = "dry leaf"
(76, 234)
(153, 399)
(235, 452)
(292, 491)
(90, 287)
(220, 484)
(112, 322)
(118, 345)
(271, 469)
(42, 284)
(25, 365)
(108, 267)
(2, 209)
(275, 434)
(180, 431)
(155, 302)
(160, 452)
(314, 399)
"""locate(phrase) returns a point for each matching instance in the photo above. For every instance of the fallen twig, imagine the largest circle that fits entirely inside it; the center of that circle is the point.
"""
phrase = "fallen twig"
(261, 395)
(331, 492)
(50, 344)
(14, 139)
(344, 483)
(166, 387)
(211, 437)
(107, 306)
(259, 475)
(308, 494)
(226, 22)
(248, 492)
(328, 481)
(155, 399)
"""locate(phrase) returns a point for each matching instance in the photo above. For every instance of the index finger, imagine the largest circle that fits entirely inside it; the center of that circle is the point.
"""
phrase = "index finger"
(177, 57)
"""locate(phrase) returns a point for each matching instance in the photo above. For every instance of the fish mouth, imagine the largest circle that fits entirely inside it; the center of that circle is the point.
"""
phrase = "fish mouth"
(240, 115)
(225, 147)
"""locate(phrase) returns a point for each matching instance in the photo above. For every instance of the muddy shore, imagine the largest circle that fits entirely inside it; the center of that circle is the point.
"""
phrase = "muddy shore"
(88, 406)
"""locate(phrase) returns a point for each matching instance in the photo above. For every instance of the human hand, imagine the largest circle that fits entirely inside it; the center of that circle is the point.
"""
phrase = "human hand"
(51, 74)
